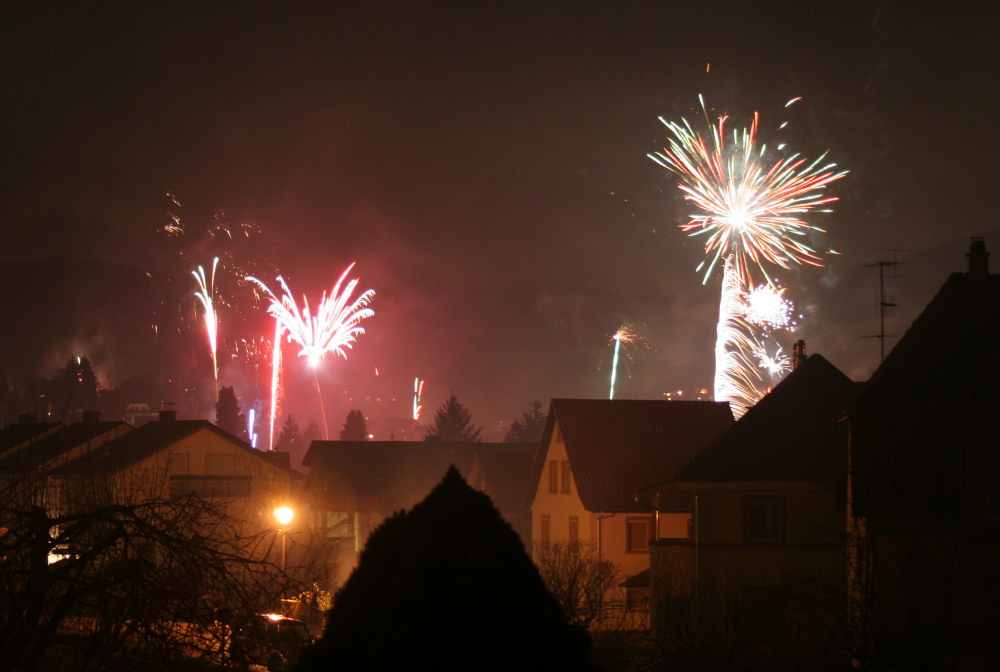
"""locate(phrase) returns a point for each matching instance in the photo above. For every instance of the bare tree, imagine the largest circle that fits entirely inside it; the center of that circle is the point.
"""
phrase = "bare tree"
(94, 580)
(576, 577)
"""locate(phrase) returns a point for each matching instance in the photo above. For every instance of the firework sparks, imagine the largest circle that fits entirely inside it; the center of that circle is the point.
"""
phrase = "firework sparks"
(333, 329)
(747, 209)
(751, 213)
(630, 335)
(204, 295)
(766, 306)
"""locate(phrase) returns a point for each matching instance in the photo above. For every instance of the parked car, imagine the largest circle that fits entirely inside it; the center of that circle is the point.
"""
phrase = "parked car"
(270, 640)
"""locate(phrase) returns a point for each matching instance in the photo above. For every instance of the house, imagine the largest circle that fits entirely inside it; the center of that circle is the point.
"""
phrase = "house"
(925, 479)
(353, 486)
(595, 456)
(170, 459)
(26, 464)
(769, 527)
(504, 476)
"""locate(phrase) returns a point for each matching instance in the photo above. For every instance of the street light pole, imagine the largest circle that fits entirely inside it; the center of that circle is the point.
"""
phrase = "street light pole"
(284, 516)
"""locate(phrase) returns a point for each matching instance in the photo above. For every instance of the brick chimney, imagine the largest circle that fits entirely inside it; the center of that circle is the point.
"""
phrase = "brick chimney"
(26, 419)
(979, 258)
(798, 353)
(91, 417)
(168, 416)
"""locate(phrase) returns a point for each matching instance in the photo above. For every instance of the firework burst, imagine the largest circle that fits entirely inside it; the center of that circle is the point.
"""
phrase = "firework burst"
(751, 213)
(748, 209)
(333, 329)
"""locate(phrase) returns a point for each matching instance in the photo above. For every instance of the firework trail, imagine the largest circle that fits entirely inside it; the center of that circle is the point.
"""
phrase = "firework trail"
(275, 380)
(751, 213)
(211, 319)
(251, 435)
(614, 364)
(333, 329)
(418, 393)
(629, 334)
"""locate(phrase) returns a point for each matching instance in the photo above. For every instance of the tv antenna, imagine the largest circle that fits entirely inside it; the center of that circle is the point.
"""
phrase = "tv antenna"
(886, 302)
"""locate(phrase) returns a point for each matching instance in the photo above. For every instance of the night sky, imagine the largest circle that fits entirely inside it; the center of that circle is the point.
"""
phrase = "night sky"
(485, 166)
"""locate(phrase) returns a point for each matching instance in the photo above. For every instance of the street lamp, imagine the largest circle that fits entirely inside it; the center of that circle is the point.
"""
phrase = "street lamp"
(284, 516)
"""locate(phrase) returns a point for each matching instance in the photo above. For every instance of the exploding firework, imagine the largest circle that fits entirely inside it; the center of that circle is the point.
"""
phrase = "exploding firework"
(333, 329)
(204, 295)
(751, 212)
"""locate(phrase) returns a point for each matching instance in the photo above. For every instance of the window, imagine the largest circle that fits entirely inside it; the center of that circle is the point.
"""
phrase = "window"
(225, 487)
(565, 477)
(763, 520)
(553, 477)
(543, 533)
(574, 529)
(220, 463)
(637, 599)
(180, 464)
(637, 535)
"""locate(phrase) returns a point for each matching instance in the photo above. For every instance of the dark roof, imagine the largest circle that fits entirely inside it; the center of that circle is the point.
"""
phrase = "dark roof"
(54, 444)
(18, 434)
(397, 474)
(506, 474)
(145, 442)
(925, 429)
(618, 447)
(791, 434)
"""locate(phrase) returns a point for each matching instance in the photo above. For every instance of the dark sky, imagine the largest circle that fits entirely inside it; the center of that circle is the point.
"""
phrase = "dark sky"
(485, 166)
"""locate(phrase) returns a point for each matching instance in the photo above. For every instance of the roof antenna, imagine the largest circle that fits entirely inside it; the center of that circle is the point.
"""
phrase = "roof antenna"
(886, 300)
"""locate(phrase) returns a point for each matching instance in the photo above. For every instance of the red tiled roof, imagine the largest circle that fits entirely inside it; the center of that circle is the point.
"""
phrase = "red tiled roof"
(618, 447)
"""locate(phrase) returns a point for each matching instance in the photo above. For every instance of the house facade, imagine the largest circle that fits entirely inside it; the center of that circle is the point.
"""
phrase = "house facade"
(925, 480)
(594, 458)
(353, 486)
(766, 560)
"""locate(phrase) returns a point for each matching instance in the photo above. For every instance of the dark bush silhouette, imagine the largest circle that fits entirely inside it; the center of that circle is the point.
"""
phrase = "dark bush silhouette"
(447, 586)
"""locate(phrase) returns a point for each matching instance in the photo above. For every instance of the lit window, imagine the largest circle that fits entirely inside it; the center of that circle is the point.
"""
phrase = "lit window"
(637, 535)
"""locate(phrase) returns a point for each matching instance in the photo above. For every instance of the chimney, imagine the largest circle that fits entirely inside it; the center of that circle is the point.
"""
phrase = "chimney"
(91, 417)
(26, 419)
(798, 353)
(168, 416)
(979, 258)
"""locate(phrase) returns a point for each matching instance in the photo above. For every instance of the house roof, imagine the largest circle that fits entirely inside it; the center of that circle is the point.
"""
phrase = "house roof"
(925, 431)
(396, 474)
(18, 434)
(791, 434)
(617, 447)
(50, 446)
(148, 440)
(505, 474)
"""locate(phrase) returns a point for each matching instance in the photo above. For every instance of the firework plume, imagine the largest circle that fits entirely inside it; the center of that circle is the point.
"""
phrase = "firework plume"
(333, 329)
(750, 212)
